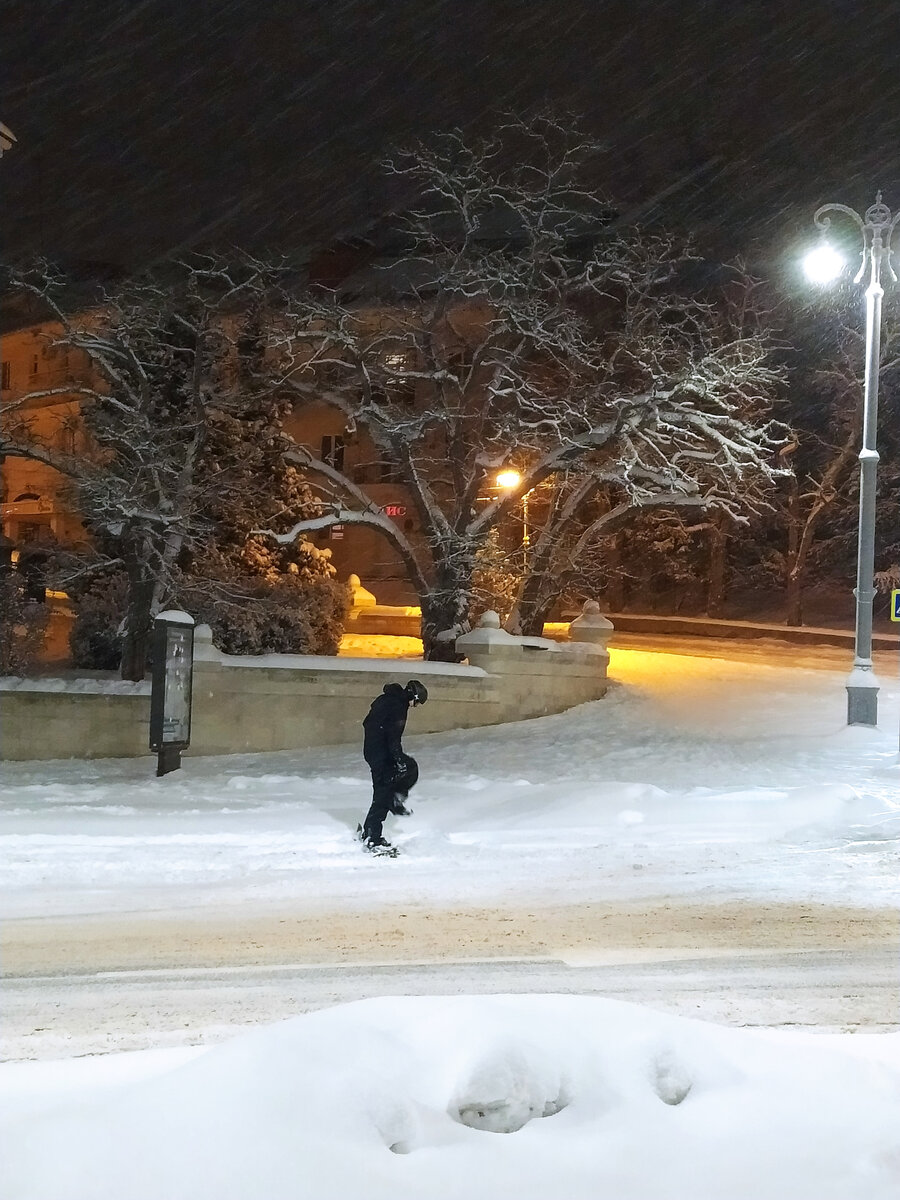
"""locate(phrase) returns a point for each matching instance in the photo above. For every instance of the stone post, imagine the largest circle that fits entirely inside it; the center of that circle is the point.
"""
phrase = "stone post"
(592, 628)
(360, 597)
(488, 645)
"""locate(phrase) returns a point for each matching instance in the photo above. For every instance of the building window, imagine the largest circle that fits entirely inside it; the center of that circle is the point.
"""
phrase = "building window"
(34, 364)
(31, 532)
(336, 533)
(400, 389)
(4, 381)
(333, 451)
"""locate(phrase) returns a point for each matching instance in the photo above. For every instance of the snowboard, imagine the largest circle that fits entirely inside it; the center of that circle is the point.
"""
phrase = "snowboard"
(375, 851)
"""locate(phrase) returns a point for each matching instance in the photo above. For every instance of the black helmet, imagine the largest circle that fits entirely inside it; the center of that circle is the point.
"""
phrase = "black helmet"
(417, 692)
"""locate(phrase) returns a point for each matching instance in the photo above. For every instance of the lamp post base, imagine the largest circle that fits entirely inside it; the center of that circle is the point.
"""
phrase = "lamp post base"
(862, 699)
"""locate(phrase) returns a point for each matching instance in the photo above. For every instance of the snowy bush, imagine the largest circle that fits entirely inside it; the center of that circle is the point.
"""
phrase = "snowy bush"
(294, 613)
(291, 616)
(95, 640)
(23, 623)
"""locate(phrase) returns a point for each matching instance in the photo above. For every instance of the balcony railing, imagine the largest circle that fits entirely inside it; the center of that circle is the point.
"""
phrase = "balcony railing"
(30, 508)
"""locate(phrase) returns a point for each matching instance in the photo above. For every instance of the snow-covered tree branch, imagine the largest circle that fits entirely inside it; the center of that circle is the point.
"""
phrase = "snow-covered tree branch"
(181, 451)
(521, 326)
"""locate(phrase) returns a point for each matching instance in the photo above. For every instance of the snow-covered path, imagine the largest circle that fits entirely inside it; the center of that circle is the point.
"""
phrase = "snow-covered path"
(706, 807)
(695, 776)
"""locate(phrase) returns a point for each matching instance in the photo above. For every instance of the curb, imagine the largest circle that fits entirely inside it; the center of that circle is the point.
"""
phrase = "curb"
(714, 628)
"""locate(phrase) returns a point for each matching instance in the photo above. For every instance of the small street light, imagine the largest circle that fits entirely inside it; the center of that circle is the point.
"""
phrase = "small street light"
(508, 481)
(822, 265)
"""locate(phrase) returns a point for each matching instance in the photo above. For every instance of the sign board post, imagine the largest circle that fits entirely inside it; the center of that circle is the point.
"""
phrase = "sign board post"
(170, 692)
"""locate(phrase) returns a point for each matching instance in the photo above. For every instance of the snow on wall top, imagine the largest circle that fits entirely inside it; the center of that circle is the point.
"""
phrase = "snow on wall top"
(205, 651)
(81, 686)
(313, 662)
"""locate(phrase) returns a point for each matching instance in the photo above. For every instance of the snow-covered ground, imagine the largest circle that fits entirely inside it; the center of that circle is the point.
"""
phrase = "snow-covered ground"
(461, 1098)
(716, 778)
(719, 787)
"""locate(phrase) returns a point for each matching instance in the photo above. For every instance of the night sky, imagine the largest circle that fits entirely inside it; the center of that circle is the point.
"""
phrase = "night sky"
(150, 125)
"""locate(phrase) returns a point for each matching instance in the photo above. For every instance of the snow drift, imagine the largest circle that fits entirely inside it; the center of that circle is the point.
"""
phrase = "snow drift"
(440, 1097)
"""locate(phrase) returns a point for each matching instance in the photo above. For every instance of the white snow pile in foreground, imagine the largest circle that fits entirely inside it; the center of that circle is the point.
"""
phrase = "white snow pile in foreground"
(465, 1097)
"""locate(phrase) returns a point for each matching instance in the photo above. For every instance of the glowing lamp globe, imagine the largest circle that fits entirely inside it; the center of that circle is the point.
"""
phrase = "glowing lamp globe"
(823, 264)
(509, 479)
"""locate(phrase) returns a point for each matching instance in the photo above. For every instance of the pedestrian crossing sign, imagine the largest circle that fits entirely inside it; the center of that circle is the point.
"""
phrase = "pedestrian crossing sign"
(895, 604)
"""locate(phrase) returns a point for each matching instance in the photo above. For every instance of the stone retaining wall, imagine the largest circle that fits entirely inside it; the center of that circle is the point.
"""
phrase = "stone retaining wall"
(286, 702)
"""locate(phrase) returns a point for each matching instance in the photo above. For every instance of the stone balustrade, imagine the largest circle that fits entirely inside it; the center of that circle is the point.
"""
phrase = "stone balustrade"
(284, 701)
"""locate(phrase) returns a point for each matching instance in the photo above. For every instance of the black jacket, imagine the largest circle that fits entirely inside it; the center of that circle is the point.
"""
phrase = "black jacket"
(385, 722)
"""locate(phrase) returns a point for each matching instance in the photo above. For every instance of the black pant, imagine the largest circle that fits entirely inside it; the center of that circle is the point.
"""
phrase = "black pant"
(382, 768)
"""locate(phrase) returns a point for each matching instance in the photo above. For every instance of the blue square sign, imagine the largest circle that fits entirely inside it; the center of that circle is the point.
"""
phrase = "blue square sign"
(895, 604)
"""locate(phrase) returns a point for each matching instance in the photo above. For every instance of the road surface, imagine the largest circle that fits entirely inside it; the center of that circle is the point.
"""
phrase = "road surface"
(86, 985)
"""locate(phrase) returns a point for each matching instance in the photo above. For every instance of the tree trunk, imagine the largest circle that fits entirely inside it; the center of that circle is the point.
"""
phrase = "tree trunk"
(715, 596)
(794, 578)
(445, 616)
(136, 636)
(794, 598)
(531, 607)
(615, 587)
(538, 589)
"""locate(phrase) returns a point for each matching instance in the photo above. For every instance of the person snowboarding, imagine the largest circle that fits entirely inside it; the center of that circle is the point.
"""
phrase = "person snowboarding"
(393, 772)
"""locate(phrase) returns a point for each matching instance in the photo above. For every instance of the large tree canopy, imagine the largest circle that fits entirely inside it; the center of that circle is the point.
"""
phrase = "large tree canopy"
(179, 451)
(521, 324)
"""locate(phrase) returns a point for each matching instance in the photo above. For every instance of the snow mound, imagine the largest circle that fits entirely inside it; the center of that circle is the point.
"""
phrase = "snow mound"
(846, 812)
(507, 1081)
(399, 1098)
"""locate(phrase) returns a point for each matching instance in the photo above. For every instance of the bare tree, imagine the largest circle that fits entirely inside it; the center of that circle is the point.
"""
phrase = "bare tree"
(823, 450)
(674, 458)
(161, 376)
(521, 327)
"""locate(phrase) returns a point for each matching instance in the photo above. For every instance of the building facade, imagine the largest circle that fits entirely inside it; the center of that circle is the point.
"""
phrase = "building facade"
(35, 503)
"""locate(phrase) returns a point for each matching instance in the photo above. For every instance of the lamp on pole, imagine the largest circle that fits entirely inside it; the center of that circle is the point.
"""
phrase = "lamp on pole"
(509, 480)
(822, 265)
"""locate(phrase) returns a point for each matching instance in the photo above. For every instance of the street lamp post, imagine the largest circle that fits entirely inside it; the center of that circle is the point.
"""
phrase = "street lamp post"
(509, 480)
(877, 228)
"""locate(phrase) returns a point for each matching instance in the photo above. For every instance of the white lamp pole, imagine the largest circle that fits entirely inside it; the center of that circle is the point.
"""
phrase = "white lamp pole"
(877, 228)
